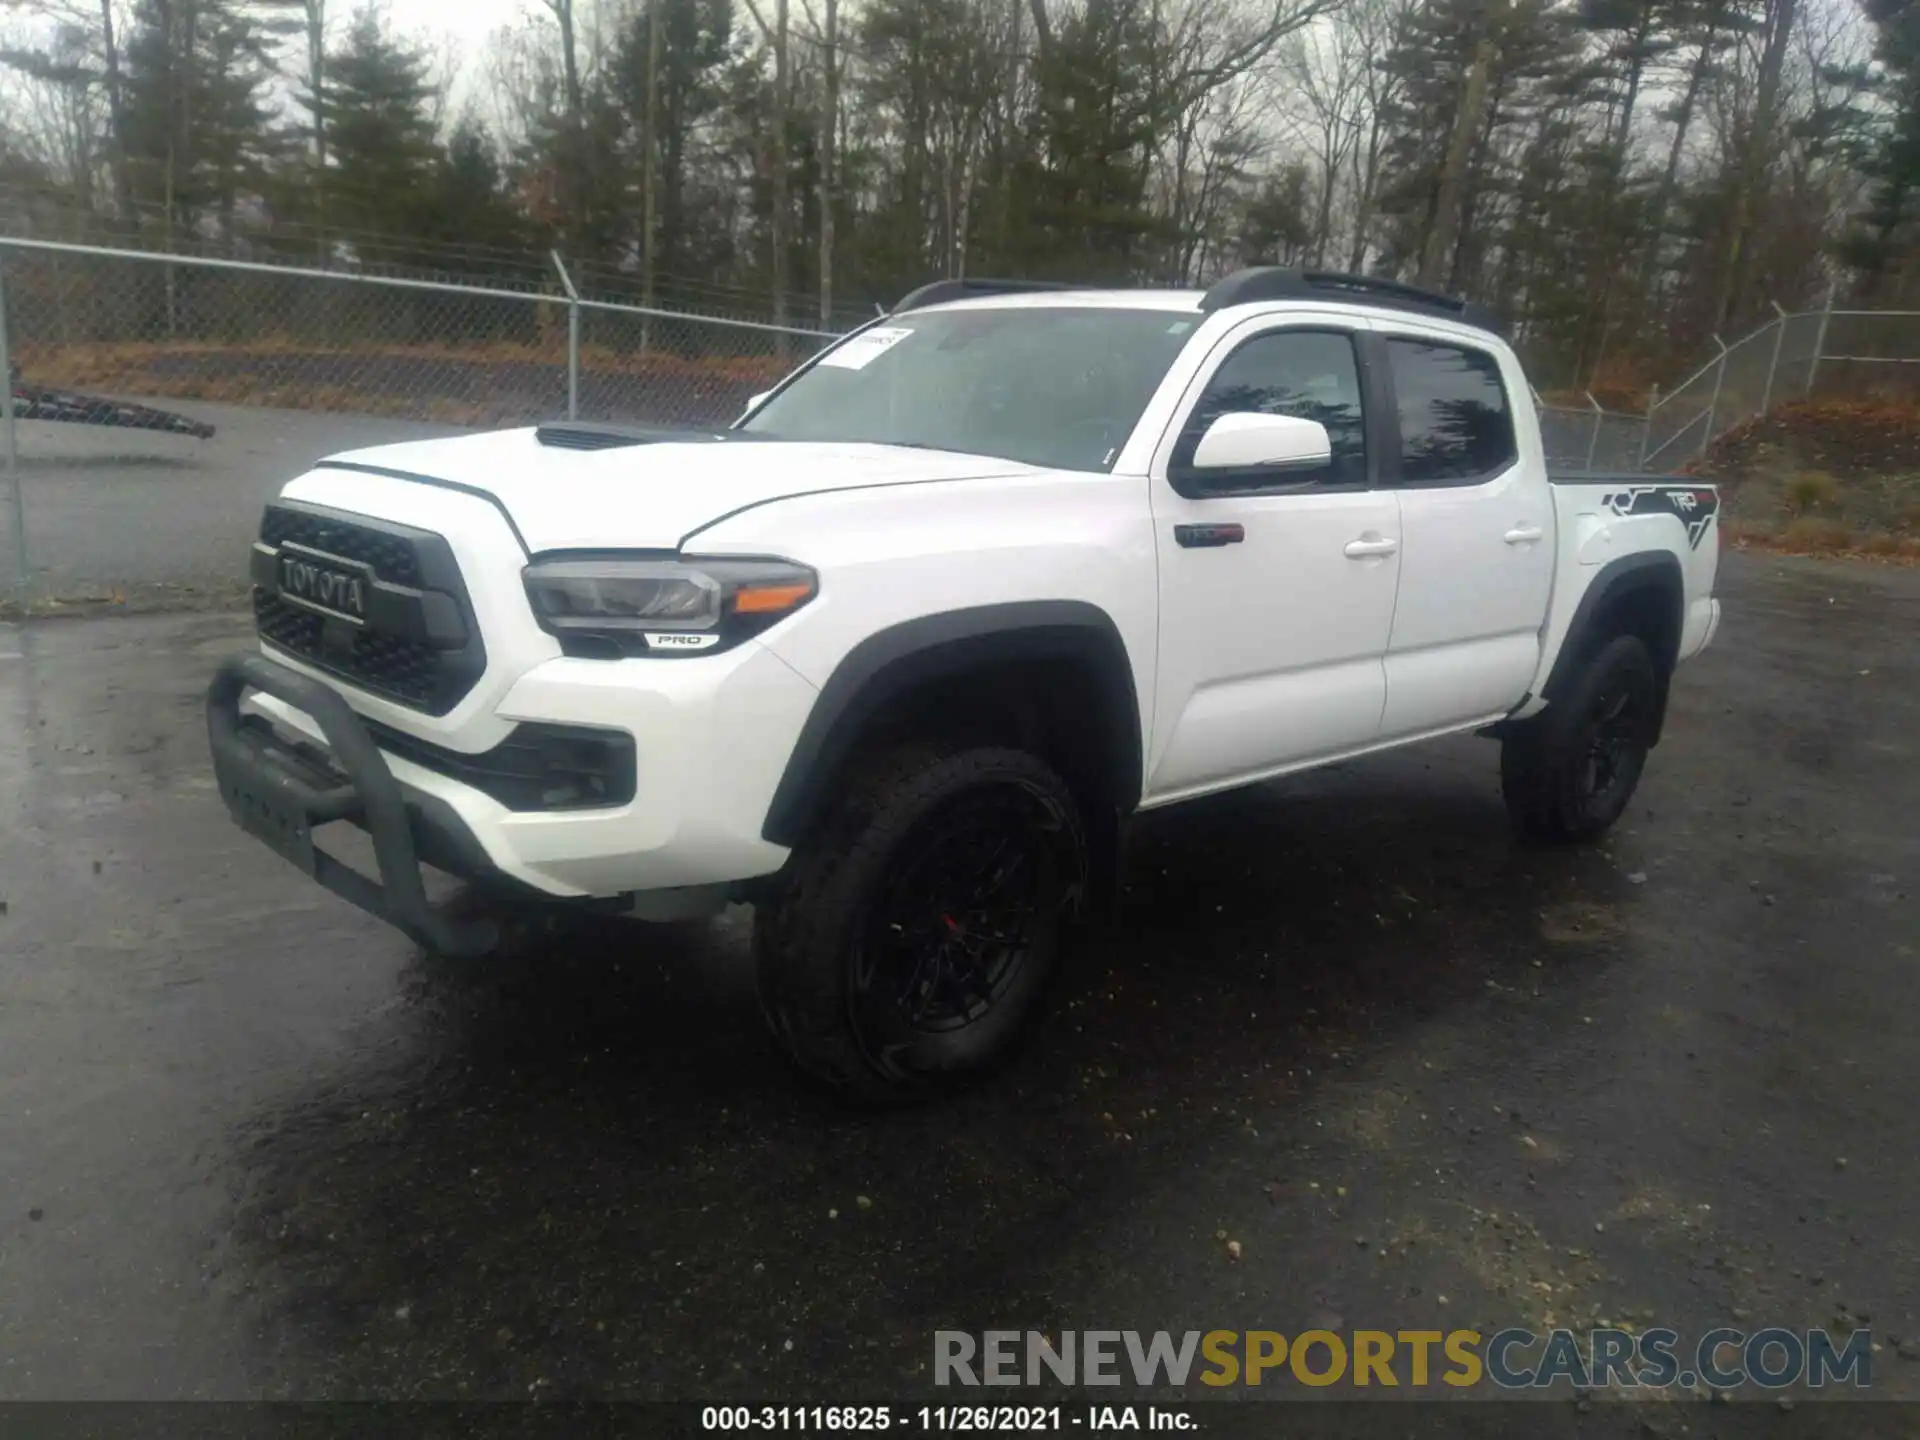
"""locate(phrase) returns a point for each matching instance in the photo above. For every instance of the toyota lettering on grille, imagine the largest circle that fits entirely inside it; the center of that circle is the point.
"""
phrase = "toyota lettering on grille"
(331, 586)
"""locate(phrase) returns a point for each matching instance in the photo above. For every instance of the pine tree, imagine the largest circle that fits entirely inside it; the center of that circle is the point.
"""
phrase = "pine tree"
(688, 80)
(1883, 239)
(383, 148)
(197, 133)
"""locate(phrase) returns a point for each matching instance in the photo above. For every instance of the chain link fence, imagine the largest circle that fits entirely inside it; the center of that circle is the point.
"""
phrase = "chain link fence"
(266, 367)
(1793, 357)
(154, 327)
(1590, 438)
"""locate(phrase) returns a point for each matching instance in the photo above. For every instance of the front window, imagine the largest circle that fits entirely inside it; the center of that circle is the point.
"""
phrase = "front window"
(1043, 385)
(1311, 374)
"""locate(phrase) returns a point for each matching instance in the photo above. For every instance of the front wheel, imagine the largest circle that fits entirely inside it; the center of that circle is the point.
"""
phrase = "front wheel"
(1568, 773)
(915, 932)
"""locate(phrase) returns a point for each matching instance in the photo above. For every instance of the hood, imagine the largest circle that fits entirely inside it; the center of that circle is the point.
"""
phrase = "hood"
(654, 496)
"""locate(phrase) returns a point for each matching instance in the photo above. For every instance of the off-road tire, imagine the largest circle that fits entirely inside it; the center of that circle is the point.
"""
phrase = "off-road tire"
(1548, 765)
(809, 935)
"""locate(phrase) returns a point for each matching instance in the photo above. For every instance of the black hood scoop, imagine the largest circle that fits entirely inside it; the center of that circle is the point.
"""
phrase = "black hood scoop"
(593, 435)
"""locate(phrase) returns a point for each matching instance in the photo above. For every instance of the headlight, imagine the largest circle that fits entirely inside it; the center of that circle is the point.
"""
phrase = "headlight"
(605, 608)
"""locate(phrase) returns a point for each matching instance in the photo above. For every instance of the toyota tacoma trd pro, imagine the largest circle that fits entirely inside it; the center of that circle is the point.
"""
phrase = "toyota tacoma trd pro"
(896, 655)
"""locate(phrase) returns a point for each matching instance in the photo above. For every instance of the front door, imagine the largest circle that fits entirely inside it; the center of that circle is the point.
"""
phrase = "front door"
(1276, 589)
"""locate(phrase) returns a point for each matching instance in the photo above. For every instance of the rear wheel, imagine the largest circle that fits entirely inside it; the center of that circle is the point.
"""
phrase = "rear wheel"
(914, 934)
(1568, 773)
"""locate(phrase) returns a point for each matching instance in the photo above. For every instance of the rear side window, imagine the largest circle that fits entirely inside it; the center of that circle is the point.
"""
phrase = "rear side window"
(1455, 424)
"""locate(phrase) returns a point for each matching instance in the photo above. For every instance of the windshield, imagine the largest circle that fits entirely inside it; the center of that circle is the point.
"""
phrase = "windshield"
(1043, 385)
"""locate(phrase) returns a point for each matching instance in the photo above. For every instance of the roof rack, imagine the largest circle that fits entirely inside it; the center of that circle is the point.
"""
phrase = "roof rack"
(941, 291)
(1276, 282)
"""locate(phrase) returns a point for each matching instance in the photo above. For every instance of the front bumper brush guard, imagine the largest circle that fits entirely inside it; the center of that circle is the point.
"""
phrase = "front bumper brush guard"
(273, 796)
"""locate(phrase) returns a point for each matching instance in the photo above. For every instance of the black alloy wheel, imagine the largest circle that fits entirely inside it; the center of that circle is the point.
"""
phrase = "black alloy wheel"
(972, 894)
(914, 935)
(1570, 772)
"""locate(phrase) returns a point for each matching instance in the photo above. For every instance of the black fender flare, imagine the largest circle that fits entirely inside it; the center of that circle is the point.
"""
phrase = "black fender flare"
(931, 648)
(1646, 571)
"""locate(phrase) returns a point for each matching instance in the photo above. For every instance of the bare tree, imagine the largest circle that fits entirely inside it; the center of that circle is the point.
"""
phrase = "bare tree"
(829, 155)
(1379, 24)
(55, 109)
(1711, 35)
(1437, 254)
(781, 230)
(116, 110)
(1326, 67)
(521, 82)
(315, 14)
(577, 163)
(650, 180)
(824, 35)
(1207, 47)
(1753, 153)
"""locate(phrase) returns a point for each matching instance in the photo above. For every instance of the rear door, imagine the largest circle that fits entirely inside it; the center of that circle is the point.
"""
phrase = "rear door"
(1477, 534)
(1276, 589)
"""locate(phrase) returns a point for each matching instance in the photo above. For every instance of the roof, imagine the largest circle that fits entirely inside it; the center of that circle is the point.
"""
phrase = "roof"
(1260, 284)
(1064, 298)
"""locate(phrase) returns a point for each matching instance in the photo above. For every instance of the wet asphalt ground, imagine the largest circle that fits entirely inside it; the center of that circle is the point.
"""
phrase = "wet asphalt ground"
(252, 1144)
(159, 519)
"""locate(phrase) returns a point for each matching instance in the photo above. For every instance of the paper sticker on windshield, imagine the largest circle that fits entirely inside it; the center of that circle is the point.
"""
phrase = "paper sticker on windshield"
(865, 348)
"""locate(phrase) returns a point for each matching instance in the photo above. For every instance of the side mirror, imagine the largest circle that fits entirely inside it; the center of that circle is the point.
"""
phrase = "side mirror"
(753, 403)
(1249, 440)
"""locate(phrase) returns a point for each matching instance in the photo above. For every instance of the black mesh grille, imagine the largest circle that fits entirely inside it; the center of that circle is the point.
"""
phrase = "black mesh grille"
(403, 670)
(412, 647)
(392, 558)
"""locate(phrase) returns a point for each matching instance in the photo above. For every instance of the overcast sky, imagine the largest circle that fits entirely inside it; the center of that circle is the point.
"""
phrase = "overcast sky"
(463, 24)
(471, 20)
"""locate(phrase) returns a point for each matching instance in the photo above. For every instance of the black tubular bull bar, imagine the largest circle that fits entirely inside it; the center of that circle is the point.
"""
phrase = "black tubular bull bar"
(279, 798)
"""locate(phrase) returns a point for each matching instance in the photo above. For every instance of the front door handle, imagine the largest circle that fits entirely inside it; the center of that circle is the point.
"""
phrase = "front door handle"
(1208, 537)
(1524, 534)
(1368, 546)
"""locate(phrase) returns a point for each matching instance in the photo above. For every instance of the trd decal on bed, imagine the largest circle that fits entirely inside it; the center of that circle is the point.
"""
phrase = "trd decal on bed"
(1695, 505)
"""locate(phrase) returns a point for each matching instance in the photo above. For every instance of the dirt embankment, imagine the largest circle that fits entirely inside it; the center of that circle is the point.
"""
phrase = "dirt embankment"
(1825, 477)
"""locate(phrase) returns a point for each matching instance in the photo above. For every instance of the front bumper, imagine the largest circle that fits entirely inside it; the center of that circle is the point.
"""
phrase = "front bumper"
(711, 740)
(280, 794)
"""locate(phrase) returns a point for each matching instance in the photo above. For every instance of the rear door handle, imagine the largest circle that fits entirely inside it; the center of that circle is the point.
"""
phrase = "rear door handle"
(1524, 534)
(1367, 547)
(1207, 537)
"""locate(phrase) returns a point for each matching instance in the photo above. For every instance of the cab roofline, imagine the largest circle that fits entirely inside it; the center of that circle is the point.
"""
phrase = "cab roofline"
(1263, 284)
(1014, 293)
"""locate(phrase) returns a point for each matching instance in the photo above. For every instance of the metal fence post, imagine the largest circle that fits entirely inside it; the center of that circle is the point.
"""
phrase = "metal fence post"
(8, 421)
(1773, 365)
(1593, 440)
(573, 338)
(1646, 426)
(1719, 379)
(1820, 341)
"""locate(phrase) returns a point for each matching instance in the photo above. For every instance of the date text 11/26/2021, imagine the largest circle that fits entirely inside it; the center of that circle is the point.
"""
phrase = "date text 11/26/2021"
(980, 1419)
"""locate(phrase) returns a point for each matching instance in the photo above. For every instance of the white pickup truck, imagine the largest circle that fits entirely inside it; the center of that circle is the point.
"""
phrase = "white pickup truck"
(896, 655)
